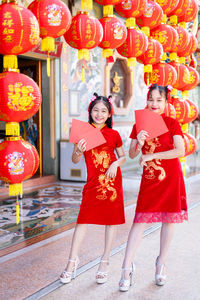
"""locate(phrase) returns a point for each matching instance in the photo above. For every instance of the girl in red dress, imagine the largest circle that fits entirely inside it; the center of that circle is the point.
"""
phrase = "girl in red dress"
(162, 196)
(102, 201)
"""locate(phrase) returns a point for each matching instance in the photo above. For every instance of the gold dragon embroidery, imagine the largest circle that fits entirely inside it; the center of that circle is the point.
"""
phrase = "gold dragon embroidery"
(154, 165)
(106, 184)
(101, 159)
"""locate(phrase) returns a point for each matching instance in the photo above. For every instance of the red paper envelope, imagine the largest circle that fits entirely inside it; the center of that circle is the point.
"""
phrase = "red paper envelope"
(151, 122)
(92, 135)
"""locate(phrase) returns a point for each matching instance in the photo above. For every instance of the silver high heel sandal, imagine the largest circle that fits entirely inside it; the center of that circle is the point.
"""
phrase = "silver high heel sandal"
(124, 284)
(67, 276)
(102, 276)
(159, 278)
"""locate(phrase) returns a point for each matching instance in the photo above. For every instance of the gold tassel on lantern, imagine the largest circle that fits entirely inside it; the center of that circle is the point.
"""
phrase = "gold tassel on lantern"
(12, 128)
(15, 189)
(86, 4)
(10, 62)
(107, 10)
(17, 211)
(131, 62)
(83, 73)
(48, 44)
(130, 23)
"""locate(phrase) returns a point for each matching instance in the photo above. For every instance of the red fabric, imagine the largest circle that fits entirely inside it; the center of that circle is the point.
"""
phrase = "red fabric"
(102, 201)
(162, 196)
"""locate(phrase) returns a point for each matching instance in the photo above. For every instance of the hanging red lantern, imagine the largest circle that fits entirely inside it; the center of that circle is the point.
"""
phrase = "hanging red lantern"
(183, 40)
(19, 160)
(183, 75)
(151, 56)
(153, 53)
(191, 13)
(20, 97)
(170, 111)
(193, 80)
(182, 109)
(85, 33)
(135, 45)
(114, 34)
(167, 5)
(131, 8)
(190, 48)
(180, 8)
(152, 16)
(193, 113)
(191, 144)
(166, 35)
(19, 32)
(54, 20)
(162, 74)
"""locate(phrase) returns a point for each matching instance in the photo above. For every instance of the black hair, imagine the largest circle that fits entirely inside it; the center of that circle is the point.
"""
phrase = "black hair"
(163, 90)
(107, 103)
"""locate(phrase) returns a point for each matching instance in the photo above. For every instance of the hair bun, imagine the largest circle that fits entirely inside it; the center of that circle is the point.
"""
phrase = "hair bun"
(95, 94)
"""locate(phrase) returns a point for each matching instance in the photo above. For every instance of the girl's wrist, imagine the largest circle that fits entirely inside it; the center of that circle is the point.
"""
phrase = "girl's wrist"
(78, 153)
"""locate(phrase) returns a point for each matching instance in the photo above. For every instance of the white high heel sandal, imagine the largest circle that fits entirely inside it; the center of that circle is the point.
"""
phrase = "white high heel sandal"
(102, 276)
(125, 284)
(159, 278)
(67, 276)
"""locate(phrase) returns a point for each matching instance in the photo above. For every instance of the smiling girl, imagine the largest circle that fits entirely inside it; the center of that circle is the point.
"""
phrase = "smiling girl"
(102, 201)
(162, 196)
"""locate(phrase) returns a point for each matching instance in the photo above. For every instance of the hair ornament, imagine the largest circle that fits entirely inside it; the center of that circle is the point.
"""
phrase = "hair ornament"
(170, 88)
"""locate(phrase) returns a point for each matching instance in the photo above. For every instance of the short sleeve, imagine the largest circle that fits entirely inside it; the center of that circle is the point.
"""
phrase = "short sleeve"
(176, 128)
(118, 142)
(133, 134)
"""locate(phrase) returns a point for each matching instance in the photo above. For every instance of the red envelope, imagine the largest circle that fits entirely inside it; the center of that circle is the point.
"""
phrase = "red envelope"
(151, 122)
(92, 135)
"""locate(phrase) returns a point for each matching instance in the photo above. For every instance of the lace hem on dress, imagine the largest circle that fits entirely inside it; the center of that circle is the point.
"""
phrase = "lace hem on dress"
(164, 217)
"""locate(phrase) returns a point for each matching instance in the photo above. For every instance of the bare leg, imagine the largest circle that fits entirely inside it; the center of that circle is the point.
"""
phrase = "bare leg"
(134, 238)
(78, 236)
(166, 235)
(110, 232)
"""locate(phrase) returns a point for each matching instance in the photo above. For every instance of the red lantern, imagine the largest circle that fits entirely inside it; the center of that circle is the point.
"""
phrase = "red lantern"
(153, 53)
(191, 144)
(166, 35)
(19, 32)
(180, 8)
(193, 80)
(182, 109)
(131, 8)
(190, 48)
(162, 74)
(114, 34)
(183, 39)
(135, 45)
(19, 160)
(54, 20)
(193, 113)
(167, 5)
(84, 33)
(170, 111)
(183, 75)
(152, 16)
(191, 12)
(20, 97)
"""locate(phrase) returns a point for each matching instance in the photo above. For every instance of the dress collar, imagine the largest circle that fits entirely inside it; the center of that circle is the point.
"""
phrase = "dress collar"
(100, 127)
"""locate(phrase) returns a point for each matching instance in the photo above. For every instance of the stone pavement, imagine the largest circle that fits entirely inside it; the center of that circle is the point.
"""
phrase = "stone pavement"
(183, 271)
(37, 267)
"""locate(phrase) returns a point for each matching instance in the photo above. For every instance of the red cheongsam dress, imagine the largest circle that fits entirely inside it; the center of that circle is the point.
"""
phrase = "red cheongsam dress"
(162, 196)
(102, 201)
